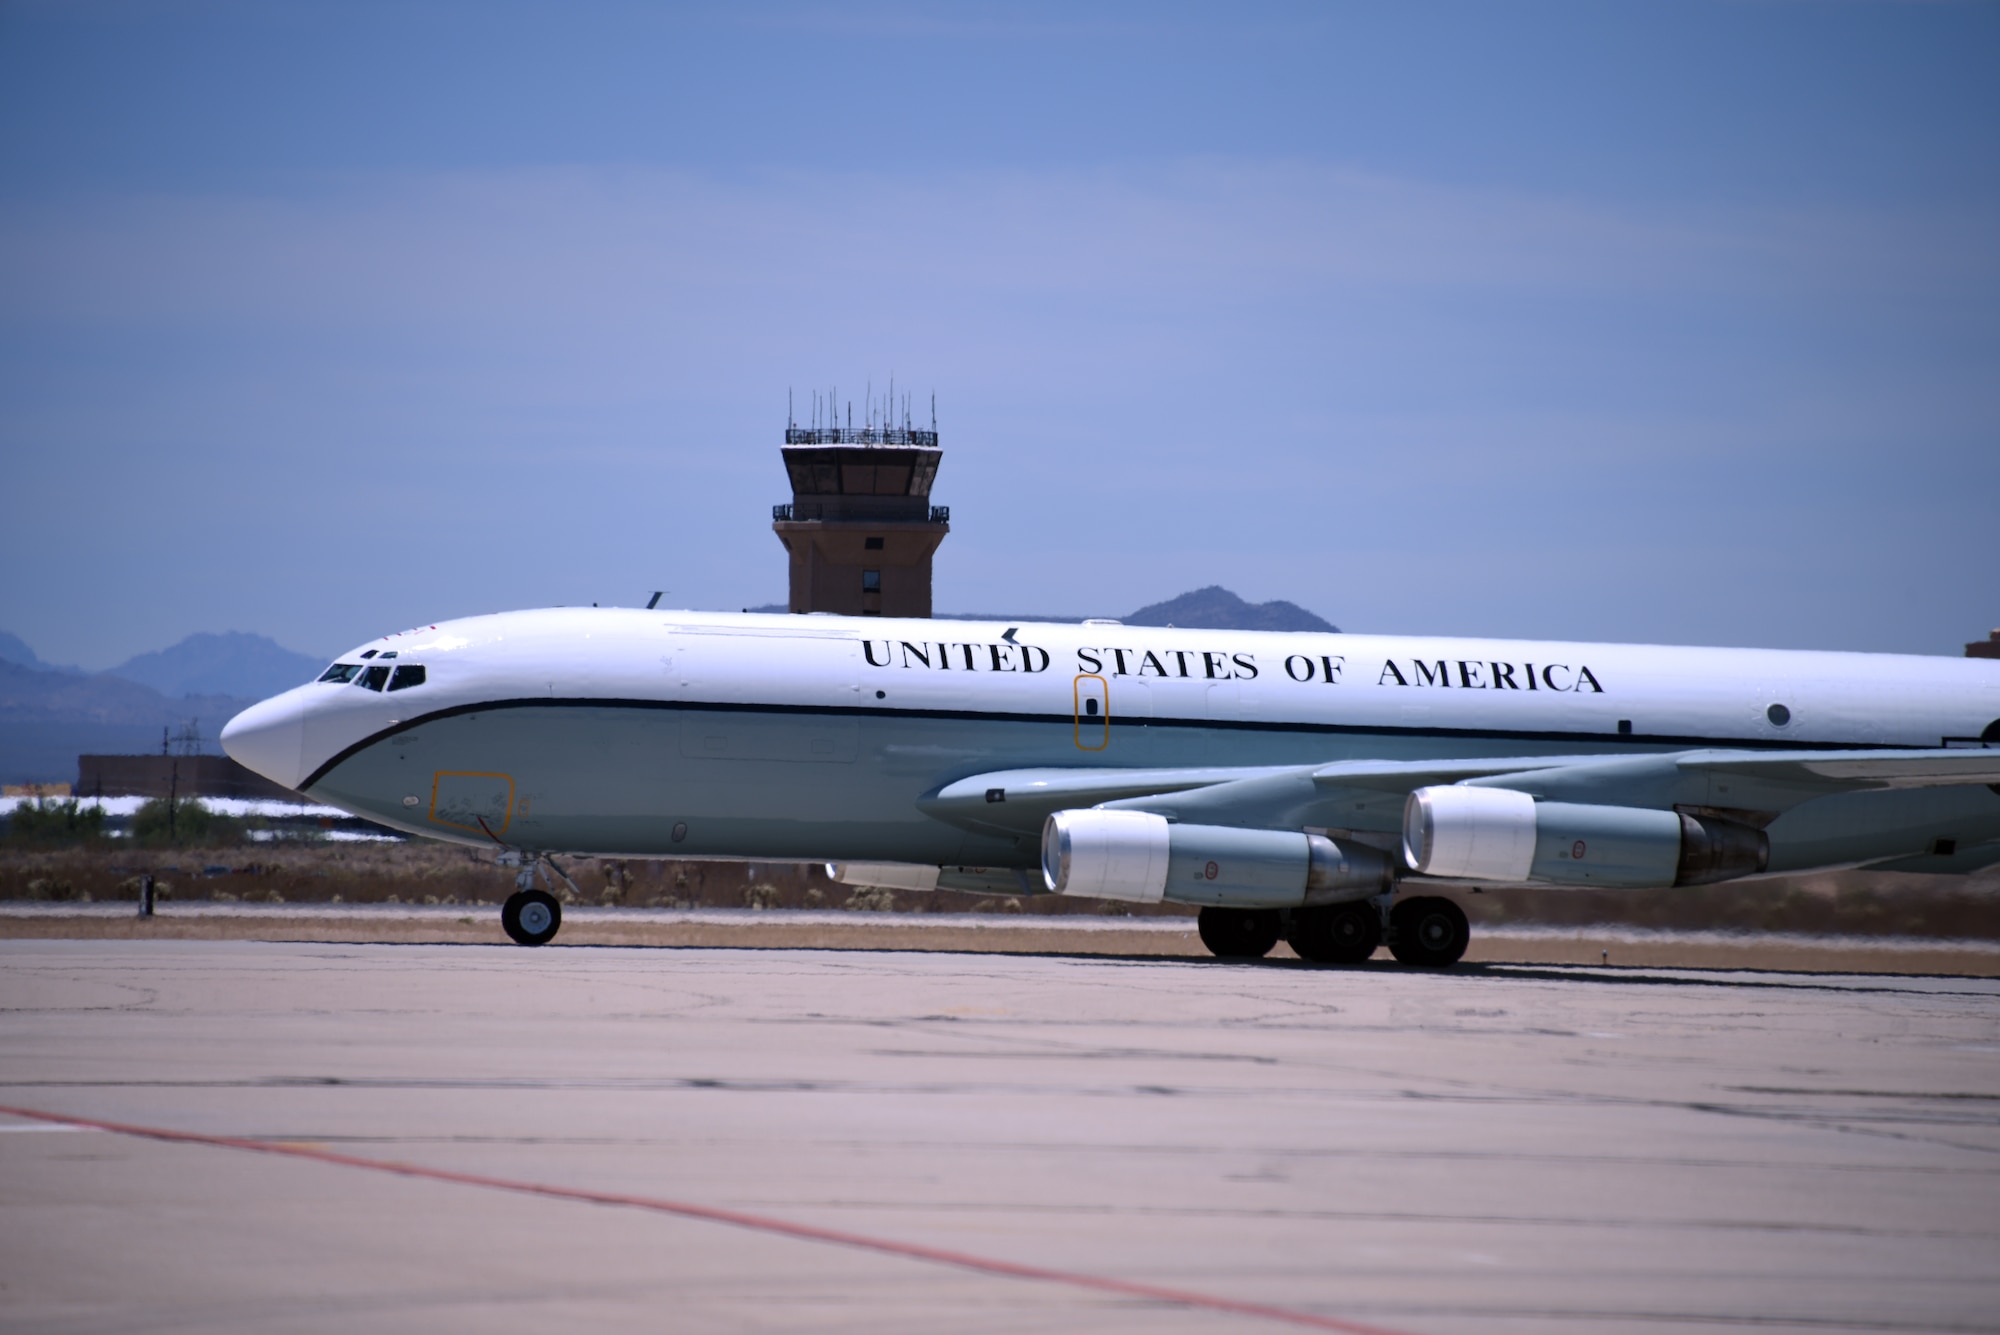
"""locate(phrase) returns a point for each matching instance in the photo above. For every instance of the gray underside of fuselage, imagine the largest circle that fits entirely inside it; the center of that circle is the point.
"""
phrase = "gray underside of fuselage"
(630, 780)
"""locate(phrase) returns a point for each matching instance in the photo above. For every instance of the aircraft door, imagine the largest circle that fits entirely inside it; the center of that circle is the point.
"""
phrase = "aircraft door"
(1093, 712)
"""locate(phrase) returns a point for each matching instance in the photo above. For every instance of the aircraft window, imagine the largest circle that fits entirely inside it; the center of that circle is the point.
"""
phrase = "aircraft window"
(388, 653)
(370, 653)
(1779, 715)
(407, 675)
(340, 672)
(375, 678)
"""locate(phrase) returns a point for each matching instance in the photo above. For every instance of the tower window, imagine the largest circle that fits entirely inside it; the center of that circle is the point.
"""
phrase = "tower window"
(871, 581)
(871, 544)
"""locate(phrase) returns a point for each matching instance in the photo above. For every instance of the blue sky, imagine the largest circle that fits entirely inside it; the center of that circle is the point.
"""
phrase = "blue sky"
(1671, 322)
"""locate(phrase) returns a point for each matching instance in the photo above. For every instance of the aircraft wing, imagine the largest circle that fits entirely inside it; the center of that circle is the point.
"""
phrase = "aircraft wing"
(1368, 795)
(1017, 801)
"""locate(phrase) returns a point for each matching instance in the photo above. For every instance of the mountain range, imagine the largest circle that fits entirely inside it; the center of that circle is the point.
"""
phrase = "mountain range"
(233, 664)
(51, 714)
(1216, 608)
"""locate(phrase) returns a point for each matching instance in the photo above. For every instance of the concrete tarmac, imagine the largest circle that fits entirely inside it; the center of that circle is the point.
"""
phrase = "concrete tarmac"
(1501, 1148)
(1026, 934)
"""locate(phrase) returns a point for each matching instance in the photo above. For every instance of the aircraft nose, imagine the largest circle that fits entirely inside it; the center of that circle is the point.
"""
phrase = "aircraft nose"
(270, 738)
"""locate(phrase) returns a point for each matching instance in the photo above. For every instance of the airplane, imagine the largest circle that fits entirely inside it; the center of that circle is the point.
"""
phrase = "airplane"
(1312, 787)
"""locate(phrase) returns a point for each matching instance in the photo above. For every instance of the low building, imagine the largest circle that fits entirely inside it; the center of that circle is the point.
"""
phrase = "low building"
(1986, 648)
(180, 776)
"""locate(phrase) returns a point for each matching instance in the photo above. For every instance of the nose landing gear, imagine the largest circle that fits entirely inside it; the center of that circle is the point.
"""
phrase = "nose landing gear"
(532, 916)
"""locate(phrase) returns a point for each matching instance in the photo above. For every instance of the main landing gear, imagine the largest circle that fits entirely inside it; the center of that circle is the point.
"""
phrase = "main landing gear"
(1239, 934)
(1336, 933)
(1427, 932)
(533, 916)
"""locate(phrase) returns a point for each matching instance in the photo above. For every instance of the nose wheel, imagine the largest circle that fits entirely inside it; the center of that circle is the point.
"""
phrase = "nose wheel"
(531, 917)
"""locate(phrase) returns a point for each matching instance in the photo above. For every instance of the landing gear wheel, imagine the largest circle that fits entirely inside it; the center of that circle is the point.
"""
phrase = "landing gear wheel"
(531, 917)
(1238, 934)
(1335, 933)
(1430, 932)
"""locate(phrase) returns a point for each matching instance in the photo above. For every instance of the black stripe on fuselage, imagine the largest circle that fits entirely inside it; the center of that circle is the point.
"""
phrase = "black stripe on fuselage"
(1227, 725)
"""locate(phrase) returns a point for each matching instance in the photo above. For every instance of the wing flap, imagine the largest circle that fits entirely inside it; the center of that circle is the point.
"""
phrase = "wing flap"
(1934, 767)
(1406, 775)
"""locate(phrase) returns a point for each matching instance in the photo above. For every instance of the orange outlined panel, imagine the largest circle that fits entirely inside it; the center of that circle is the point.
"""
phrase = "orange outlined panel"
(1093, 712)
(463, 799)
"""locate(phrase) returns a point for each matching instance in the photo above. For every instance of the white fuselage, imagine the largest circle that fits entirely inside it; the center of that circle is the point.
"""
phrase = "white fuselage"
(653, 733)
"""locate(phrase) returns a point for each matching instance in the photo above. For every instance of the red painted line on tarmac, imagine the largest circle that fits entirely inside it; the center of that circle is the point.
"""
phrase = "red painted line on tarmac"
(736, 1218)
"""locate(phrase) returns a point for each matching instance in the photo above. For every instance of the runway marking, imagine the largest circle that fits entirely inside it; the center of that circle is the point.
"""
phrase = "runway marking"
(736, 1218)
(39, 1126)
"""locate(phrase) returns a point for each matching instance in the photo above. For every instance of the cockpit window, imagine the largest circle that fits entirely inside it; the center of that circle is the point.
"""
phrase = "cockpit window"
(370, 653)
(376, 677)
(388, 653)
(340, 672)
(407, 675)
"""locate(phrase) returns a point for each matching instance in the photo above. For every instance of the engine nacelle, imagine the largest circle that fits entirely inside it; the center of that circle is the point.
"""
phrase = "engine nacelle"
(1143, 858)
(1497, 834)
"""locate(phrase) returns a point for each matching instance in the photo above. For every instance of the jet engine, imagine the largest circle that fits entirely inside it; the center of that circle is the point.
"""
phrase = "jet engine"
(1143, 858)
(1497, 834)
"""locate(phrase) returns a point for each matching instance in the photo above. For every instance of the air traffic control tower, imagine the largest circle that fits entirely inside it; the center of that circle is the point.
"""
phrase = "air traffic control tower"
(861, 529)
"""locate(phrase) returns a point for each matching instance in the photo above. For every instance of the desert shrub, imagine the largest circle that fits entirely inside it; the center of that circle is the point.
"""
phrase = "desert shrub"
(45, 822)
(185, 823)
